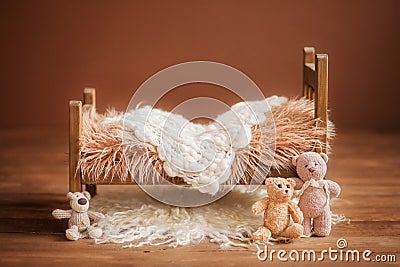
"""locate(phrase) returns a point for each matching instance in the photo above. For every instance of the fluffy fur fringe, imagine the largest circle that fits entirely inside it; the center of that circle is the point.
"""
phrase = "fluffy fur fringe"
(108, 153)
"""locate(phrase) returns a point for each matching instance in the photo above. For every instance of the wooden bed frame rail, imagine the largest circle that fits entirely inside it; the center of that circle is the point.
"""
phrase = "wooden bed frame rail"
(315, 87)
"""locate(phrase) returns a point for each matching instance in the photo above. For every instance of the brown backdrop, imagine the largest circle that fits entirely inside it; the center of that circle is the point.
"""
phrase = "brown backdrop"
(51, 50)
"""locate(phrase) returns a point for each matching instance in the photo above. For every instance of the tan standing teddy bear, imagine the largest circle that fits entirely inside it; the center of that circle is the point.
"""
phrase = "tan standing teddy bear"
(79, 217)
(277, 209)
(315, 191)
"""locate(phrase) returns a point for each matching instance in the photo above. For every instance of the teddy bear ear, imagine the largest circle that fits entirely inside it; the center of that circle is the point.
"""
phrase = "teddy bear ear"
(324, 156)
(294, 160)
(291, 181)
(86, 194)
(70, 195)
(269, 181)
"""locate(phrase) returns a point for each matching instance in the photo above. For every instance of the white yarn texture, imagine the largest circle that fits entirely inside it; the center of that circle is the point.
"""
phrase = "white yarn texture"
(200, 154)
(135, 219)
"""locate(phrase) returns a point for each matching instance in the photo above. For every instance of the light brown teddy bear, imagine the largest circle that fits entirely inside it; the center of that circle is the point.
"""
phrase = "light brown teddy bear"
(277, 209)
(79, 217)
(315, 191)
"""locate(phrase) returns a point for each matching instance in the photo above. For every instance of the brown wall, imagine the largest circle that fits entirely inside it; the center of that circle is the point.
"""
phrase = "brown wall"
(51, 50)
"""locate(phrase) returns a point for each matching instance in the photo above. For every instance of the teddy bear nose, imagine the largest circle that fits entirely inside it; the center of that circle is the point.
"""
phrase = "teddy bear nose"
(311, 170)
(82, 201)
(286, 191)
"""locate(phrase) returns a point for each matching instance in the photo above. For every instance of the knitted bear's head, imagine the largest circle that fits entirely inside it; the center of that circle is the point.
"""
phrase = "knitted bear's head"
(79, 201)
(280, 189)
(311, 165)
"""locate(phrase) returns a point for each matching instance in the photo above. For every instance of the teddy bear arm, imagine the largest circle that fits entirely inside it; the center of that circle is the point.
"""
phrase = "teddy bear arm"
(260, 205)
(299, 183)
(95, 215)
(333, 187)
(296, 213)
(61, 214)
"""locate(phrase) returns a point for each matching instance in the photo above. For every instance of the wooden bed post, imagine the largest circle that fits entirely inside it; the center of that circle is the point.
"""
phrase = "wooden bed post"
(89, 99)
(315, 87)
(321, 95)
(308, 71)
(75, 129)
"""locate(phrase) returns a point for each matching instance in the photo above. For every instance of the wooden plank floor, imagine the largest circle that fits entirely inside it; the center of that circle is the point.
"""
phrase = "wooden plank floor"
(33, 182)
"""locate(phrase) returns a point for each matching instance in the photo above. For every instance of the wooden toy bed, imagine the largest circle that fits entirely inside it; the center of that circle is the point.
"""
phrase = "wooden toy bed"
(315, 88)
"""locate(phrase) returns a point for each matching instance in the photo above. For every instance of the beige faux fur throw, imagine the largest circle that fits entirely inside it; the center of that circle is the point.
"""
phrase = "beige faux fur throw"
(108, 153)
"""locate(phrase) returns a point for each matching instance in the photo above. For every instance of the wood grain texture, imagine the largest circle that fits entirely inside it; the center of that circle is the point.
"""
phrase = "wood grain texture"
(75, 131)
(33, 182)
(89, 100)
(309, 75)
(321, 93)
(308, 70)
(315, 86)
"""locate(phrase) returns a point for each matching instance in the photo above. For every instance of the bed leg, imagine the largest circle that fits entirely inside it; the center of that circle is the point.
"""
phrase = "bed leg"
(89, 98)
(92, 189)
(75, 128)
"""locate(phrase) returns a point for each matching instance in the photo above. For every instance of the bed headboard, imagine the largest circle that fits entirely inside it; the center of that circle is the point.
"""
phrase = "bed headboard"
(315, 85)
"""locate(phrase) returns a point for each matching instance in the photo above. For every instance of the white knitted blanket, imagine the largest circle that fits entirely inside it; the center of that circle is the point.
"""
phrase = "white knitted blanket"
(200, 154)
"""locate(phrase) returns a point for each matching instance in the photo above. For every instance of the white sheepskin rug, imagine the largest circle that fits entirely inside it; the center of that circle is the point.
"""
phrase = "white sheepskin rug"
(135, 219)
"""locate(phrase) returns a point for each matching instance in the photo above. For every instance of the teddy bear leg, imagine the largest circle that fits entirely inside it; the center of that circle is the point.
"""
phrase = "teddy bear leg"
(72, 233)
(262, 234)
(293, 231)
(306, 226)
(95, 232)
(322, 224)
(84, 234)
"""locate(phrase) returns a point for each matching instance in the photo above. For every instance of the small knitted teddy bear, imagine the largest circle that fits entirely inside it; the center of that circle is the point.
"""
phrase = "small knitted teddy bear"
(277, 209)
(315, 191)
(79, 217)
